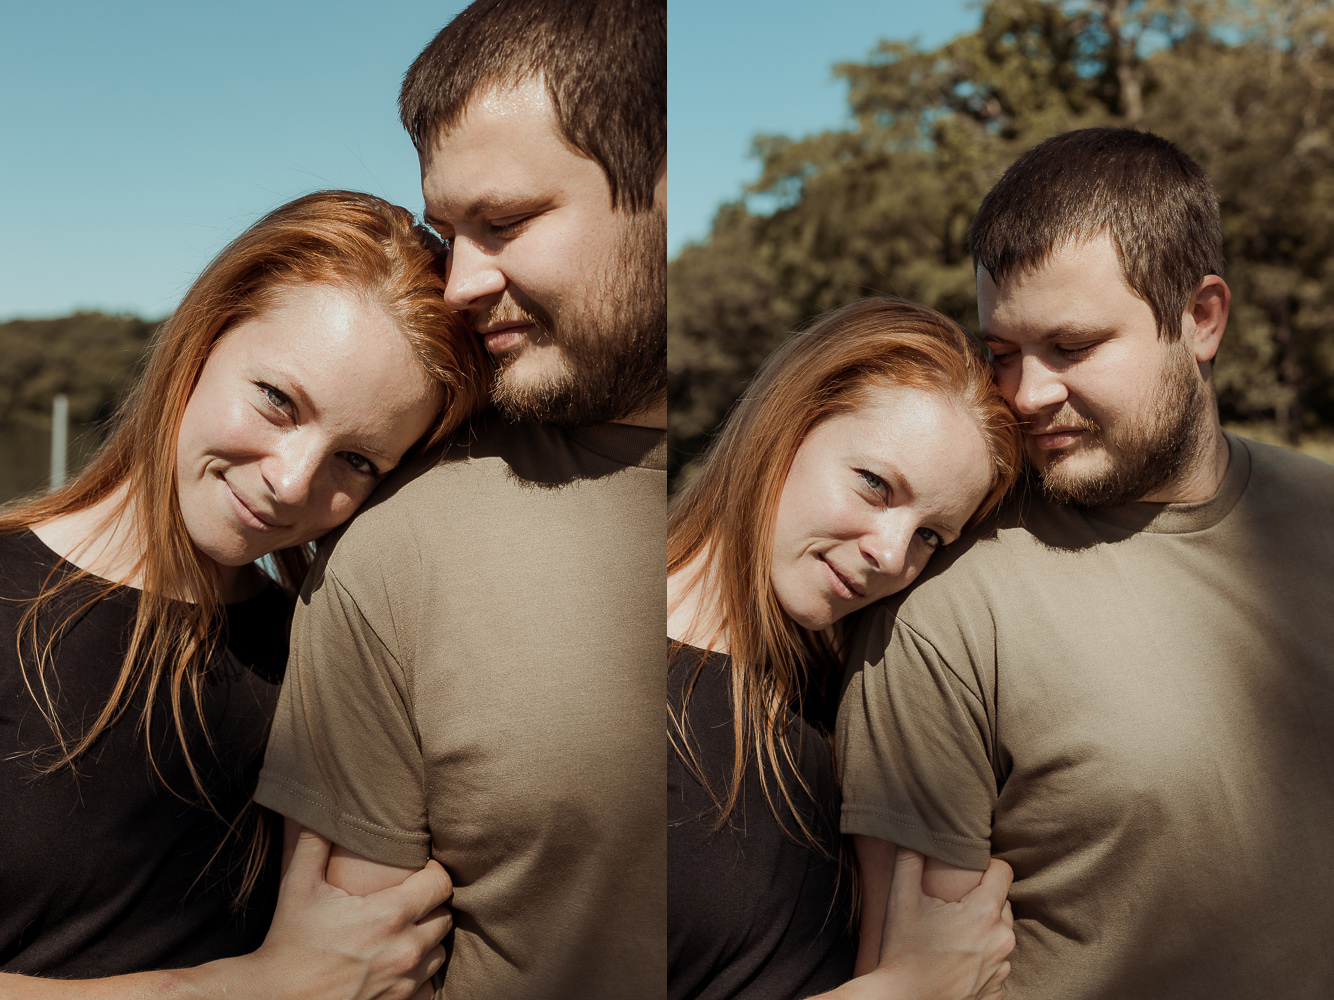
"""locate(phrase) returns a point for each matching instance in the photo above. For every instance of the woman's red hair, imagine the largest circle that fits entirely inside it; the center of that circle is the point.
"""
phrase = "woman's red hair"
(727, 512)
(343, 238)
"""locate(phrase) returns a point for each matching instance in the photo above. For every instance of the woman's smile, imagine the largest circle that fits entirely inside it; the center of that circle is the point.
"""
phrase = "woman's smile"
(869, 497)
(297, 414)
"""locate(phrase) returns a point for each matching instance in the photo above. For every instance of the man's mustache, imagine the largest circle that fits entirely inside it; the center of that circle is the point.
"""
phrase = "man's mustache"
(510, 310)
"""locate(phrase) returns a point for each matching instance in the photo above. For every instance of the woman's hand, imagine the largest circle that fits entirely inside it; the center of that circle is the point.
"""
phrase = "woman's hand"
(325, 943)
(934, 950)
(950, 951)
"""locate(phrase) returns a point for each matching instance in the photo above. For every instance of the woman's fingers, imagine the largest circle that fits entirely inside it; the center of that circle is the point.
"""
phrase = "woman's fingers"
(435, 960)
(421, 892)
(430, 965)
(991, 990)
(995, 885)
(436, 924)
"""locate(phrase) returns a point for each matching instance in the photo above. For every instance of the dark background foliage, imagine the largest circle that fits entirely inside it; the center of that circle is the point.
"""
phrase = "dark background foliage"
(90, 356)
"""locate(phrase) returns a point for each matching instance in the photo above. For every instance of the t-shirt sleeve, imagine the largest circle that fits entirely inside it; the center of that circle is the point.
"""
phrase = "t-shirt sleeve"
(343, 757)
(914, 746)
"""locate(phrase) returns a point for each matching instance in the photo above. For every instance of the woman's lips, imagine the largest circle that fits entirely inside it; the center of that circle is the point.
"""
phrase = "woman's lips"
(247, 515)
(840, 584)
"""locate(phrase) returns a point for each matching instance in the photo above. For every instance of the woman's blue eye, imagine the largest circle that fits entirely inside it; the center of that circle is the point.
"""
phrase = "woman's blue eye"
(872, 480)
(361, 463)
(931, 538)
(277, 398)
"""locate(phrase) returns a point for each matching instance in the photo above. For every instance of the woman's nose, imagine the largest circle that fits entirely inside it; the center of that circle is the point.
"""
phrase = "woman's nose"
(886, 548)
(290, 472)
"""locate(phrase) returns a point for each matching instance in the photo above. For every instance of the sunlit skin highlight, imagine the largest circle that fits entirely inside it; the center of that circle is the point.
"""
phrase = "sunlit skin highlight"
(1077, 355)
(532, 231)
(870, 496)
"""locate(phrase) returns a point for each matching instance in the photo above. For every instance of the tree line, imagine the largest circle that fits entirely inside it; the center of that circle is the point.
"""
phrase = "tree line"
(92, 357)
(1244, 86)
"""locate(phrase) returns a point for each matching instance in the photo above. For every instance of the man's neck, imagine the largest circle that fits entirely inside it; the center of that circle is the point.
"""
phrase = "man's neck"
(1200, 480)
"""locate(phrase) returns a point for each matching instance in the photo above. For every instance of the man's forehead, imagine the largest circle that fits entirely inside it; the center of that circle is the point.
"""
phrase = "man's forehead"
(506, 149)
(1088, 254)
(1071, 271)
(493, 109)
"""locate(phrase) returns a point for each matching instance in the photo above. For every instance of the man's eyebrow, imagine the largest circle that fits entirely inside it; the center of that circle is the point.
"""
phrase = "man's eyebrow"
(479, 207)
(1067, 331)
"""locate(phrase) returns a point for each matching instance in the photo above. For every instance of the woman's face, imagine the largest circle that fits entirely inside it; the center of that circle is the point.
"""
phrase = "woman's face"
(871, 494)
(297, 415)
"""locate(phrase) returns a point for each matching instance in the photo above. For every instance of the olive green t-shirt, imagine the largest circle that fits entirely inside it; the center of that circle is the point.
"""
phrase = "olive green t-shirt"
(478, 676)
(1134, 708)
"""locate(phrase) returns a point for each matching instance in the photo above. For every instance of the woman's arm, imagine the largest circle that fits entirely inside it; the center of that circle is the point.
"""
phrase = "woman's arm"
(916, 946)
(323, 944)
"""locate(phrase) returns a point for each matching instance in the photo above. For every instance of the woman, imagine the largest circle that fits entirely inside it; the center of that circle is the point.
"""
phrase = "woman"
(862, 446)
(143, 639)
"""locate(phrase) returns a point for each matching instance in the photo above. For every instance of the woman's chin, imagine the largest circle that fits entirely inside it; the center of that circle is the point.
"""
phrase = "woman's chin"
(815, 616)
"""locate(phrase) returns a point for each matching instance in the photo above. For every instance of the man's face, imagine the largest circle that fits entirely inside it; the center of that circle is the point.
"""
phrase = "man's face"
(568, 295)
(1111, 413)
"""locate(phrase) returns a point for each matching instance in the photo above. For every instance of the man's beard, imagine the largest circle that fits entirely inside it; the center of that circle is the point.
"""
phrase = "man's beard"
(1144, 456)
(614, 347)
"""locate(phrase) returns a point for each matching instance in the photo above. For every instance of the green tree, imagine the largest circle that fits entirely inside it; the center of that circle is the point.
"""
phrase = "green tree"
(90, 356)
(885, 206)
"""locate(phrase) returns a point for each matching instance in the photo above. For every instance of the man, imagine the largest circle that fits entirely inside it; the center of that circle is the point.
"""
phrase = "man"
(1124, 686)
(477, 668)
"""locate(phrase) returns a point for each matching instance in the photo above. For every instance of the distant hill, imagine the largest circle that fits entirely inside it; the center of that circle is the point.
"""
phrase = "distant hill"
(91, 356)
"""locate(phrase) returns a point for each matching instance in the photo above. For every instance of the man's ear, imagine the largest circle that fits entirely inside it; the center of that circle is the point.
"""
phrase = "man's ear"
(1205, 318)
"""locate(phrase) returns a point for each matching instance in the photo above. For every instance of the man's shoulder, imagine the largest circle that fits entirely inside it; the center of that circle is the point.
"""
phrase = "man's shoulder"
(497, 476)
(993, 564)
(1279, 473)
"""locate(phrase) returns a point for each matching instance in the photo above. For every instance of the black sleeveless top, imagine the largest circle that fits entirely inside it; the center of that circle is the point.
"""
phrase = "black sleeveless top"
(751, 912)
(103, 870)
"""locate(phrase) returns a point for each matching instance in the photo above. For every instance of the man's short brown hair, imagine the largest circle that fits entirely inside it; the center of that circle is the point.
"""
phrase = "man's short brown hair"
(604, 63)
(1151, 198)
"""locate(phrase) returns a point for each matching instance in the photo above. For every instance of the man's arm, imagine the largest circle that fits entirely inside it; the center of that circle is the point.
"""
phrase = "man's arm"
(875, 863)
(349, 871)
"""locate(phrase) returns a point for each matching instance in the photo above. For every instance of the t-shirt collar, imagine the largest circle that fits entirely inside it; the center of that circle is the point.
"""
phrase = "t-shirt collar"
(1179, 518)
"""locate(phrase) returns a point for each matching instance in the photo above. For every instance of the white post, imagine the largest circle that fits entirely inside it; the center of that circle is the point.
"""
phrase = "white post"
(59, 439)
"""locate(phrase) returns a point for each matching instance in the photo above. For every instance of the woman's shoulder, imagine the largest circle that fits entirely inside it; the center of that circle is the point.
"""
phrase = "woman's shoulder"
(29, 567)
(24, 558)
(695, 674)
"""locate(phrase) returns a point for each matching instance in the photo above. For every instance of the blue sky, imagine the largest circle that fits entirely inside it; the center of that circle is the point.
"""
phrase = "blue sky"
(738, 68)
(140, 137)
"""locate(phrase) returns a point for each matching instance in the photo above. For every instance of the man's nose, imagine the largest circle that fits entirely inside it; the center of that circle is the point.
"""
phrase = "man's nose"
(1039, 387)
(472, 275)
